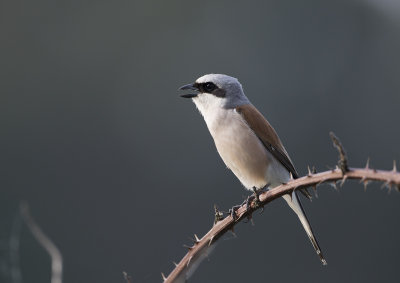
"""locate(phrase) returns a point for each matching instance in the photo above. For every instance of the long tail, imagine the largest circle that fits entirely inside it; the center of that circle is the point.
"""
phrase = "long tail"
(295, 204)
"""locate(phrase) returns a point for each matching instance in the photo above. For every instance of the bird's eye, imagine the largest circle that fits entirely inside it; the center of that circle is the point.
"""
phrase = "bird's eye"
(209, 87)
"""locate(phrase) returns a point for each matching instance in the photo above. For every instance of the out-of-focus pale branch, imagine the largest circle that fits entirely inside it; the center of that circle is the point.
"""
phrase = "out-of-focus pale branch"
(202, 247)
(46, 243)
(127, 277)
(14, 244)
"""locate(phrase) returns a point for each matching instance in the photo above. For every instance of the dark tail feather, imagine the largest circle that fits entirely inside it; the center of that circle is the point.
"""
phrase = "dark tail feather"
(295, 204)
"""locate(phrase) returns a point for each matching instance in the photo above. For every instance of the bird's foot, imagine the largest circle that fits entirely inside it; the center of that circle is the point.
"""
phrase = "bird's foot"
(232, 212)
(256, 197)
(248, 201)
(218, 216)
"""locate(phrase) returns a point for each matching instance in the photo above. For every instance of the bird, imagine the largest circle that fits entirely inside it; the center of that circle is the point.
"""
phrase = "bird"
(246, 141)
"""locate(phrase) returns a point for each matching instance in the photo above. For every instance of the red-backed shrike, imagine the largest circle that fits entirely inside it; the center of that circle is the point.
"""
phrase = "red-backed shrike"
(245, 140)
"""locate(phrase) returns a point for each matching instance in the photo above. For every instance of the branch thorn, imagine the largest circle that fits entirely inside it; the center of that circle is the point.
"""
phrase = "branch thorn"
(314, 170)
(315, 190)
(210, 241)
(342, 154)
(163, 276)
(394, 166)
(367, 165)
(188, 247)
(343, 180)
(365, 185)
(190, 259)
(365, 182)
(334, 185)
(387, 184)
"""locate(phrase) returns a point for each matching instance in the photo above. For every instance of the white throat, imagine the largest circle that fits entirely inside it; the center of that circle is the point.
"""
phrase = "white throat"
(210, 107)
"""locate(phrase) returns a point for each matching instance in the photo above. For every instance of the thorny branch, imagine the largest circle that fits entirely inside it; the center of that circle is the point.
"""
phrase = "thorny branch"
(46, 243)
(202, 247)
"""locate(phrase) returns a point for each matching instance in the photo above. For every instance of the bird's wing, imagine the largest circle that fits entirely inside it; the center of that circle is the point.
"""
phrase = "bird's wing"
(267, 135)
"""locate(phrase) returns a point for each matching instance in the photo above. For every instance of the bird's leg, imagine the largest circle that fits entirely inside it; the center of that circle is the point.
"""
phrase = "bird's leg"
(256, 197)
(256, 194)
(249, 200)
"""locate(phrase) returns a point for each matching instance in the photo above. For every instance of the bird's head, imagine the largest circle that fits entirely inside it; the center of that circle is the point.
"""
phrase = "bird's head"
(215, 90)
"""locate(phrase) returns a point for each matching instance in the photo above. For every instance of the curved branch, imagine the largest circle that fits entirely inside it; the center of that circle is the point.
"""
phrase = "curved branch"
(202, 247)
(46, 243)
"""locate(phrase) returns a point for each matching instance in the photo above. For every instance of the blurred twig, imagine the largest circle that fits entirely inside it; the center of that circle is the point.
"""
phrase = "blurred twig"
(46, 243)
(14, 243)
(127, 277)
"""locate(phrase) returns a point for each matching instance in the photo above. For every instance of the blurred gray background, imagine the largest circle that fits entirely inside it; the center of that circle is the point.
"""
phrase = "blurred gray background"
(120, 172)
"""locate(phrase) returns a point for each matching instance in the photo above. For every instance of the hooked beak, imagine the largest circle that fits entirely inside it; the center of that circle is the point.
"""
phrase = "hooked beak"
(191, 87)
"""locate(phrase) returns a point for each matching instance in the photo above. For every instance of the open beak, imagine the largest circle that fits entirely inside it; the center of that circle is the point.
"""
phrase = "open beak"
(190, 87)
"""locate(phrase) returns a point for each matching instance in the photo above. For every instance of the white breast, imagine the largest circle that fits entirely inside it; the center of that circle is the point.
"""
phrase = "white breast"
(241, 150)
(239, 147)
